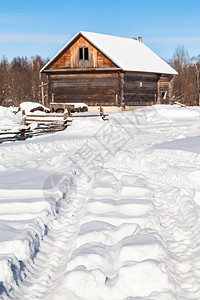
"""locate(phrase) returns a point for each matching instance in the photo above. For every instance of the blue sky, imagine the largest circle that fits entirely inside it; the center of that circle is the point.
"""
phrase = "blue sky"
(31, 27)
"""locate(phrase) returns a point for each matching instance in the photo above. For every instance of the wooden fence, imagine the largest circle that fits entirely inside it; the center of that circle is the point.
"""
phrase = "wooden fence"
(45, 123)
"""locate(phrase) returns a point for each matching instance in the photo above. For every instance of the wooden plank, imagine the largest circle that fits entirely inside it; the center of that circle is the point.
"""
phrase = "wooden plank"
(23, 133)
(47, 124)
(3, 133)
(103, 62)
(45, 116)
(95, 100)
(81, 75)
(9, 138)
(70, 58)
(140, 77)
(19, 135)
(140, 89)
(47, 131)
(91, 89)
(86, 89)
(39, 120)
(86, 116)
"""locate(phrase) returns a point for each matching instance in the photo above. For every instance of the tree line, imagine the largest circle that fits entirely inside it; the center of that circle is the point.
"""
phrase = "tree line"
(20, 79)
(187, 83)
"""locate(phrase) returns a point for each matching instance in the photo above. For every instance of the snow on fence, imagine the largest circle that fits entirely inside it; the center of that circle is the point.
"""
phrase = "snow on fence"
(88, 114)
(45, 123)
(36, 124)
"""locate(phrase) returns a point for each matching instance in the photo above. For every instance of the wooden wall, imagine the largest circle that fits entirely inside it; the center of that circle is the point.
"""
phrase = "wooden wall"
(92, 89)
(109, 88)
(140, 89)
(70, 58)
(165, 84)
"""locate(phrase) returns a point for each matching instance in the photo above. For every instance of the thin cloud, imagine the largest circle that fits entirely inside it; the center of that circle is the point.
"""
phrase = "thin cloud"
(174, 40)
(33, 38)
(16, 19)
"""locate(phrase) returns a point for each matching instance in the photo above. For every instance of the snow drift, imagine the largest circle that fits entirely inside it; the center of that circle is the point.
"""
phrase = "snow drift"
(111, 212)
(9, 120)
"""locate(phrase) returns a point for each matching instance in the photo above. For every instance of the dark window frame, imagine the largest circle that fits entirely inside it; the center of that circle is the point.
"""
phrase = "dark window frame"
(83, 53)
(86, 53)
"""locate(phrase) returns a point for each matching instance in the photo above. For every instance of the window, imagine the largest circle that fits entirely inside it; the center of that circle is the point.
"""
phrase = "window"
(86, 53)
(83, 53)
(80, 53)
(164, 95)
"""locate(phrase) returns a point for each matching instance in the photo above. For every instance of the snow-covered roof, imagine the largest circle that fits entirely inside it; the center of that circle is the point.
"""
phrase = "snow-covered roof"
(127, 54)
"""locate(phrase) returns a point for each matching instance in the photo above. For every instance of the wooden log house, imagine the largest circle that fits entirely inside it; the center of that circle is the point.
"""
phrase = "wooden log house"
(99, 69)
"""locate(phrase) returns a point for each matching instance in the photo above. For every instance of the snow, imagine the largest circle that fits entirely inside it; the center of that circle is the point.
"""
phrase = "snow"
(9, 120)
(28, 106)
(128, 54)
(103, 210)
(85, 113)
(78, 105)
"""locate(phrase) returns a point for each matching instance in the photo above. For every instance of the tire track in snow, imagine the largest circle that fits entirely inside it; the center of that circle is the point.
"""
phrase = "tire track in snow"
(50, 262)
(176, 231)
(180, 219)
(105, 260)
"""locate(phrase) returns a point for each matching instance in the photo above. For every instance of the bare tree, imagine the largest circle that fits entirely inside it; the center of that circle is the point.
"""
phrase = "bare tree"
(20, 80)
(185, 83)
(4, 81)
(181, 61)
(196, 65)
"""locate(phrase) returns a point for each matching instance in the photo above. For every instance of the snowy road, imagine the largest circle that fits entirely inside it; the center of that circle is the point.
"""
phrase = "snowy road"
(176, 197)
(111, 213)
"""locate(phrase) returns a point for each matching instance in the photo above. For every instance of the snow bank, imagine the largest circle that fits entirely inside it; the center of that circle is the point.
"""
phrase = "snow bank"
(78, 105)
(29, 203)
(32, 106)
(190, 144)
(176, 113)
(158, 114)
(9, 120)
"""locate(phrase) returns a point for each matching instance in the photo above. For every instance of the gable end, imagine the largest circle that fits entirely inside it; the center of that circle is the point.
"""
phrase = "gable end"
(69, 58)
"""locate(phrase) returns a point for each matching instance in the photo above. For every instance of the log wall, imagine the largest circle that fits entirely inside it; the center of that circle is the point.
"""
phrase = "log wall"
(116, 88)
(92, 89)
(140, 89)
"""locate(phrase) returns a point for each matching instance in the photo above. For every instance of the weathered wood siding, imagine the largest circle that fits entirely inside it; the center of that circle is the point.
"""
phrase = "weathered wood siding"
(70, 58)
(103, 62)
(110, 88)
(165, 91)
(140, 89)
(92, 89)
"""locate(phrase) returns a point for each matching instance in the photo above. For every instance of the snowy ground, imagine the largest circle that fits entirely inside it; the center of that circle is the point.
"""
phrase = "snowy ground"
(104, 210)
(8, 120)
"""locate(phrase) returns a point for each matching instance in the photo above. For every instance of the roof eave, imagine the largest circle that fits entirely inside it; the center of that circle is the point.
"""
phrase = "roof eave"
(61, 50)
(102, 51)
(152, 72)
(80, 70)
(67, 45)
